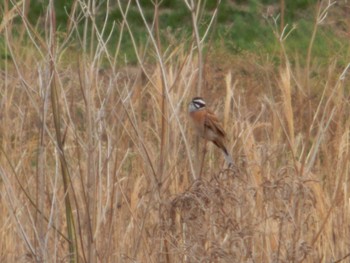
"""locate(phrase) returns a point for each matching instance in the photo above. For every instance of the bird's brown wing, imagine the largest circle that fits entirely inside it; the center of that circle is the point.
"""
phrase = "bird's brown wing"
(212, 122)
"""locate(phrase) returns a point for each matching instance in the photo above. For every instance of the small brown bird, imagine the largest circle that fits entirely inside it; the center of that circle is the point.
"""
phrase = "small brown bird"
(208, 126)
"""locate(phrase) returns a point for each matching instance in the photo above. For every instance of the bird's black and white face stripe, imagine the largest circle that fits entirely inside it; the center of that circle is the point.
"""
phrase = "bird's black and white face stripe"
(197, 103)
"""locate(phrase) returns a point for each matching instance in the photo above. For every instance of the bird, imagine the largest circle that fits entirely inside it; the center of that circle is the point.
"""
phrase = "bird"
(208, 126)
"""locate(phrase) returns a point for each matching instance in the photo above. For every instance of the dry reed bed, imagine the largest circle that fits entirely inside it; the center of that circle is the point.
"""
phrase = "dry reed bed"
(288, 201)
(127, 153)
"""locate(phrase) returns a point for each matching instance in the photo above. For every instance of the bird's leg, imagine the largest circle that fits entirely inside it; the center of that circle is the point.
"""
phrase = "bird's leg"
(202, 163)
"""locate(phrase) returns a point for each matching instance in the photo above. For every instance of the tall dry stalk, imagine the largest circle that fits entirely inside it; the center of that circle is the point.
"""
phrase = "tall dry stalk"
(196, 8)
(320, 16)
(286, 90)
(163, 102)
(71, 231)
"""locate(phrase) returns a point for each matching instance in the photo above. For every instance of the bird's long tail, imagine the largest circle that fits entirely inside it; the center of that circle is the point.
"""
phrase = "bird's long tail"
(228, 157)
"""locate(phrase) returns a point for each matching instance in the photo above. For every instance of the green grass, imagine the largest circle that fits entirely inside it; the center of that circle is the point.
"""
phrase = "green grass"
(240, 26)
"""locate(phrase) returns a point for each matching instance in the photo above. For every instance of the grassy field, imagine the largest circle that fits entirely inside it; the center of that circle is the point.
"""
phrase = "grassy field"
(98, 160)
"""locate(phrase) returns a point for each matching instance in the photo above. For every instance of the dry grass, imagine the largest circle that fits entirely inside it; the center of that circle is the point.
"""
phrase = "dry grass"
(92, 154)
